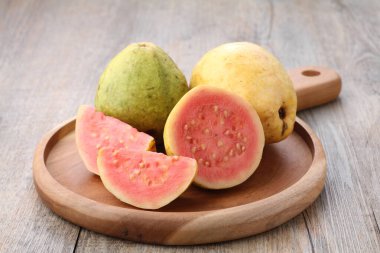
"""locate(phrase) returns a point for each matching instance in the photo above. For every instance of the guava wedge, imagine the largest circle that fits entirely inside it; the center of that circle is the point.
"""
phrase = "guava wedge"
(144, 179)
(94, 130)
(221, 131)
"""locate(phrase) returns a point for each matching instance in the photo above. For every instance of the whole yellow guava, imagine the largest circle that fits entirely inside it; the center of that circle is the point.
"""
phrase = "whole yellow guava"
(256, 75)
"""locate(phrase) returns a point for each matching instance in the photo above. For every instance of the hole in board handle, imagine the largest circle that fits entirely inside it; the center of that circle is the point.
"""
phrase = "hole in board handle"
(311, 73)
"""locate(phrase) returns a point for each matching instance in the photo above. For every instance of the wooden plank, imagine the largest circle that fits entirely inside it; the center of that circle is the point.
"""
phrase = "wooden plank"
(290, 237)
(25, 114)
(344, 219)
(52, 54)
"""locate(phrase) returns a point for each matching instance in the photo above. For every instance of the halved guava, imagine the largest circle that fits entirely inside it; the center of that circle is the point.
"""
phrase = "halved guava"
(94, 130)
(221, 131)
(145, 179)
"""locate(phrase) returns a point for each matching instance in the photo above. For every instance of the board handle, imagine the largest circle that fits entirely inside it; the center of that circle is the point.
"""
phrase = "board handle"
(315, 85)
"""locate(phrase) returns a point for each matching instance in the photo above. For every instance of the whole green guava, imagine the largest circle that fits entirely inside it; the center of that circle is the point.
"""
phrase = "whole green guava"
(140, 86)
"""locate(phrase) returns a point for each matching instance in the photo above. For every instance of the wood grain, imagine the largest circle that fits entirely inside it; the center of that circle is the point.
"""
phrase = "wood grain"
(53, 52)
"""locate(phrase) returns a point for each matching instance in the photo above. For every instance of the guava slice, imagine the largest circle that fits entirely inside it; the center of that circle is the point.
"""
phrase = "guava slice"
(94, 130)
(221, 131)
(145, 179)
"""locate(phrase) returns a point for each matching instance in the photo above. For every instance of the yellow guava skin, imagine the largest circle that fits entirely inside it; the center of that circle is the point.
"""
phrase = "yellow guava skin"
(253, 73)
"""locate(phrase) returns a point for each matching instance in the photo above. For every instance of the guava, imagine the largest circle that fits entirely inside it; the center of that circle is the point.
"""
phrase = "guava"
(221, 131)
(253, 73)
(140, 86)
(94, 130)
(145, 179)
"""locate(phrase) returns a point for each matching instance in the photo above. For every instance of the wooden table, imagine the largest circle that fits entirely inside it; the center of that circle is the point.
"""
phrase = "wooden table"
(53, 52)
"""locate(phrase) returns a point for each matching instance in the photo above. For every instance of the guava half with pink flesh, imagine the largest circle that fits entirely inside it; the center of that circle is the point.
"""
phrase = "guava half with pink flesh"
(145, 179)
(221, 131)
(94, 130)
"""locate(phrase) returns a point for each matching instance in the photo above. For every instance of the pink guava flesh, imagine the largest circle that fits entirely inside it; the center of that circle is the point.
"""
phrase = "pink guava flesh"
(222, 132)
(145, 179)
(94, 130)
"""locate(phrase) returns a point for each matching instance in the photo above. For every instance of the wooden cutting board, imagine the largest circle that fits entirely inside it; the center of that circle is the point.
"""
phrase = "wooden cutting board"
(290, 177)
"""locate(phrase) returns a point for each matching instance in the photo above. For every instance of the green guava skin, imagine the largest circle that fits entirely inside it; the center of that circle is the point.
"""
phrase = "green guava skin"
(140, 86)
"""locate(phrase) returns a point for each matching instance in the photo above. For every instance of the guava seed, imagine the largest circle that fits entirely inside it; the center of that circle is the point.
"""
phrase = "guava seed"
(134, 173)
(219, 143)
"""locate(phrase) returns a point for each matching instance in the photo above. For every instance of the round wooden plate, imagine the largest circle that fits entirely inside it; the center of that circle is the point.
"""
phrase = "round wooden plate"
(290, 177)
